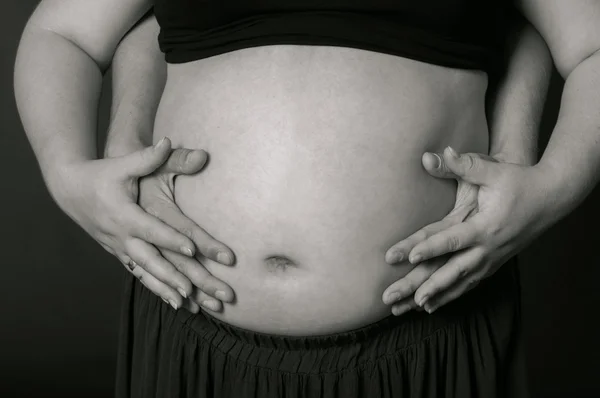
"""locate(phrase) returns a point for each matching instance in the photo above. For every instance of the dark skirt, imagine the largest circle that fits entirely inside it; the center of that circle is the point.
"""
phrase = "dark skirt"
(468, 348)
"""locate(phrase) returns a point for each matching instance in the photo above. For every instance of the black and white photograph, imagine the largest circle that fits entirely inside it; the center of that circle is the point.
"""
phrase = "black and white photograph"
(300, 199)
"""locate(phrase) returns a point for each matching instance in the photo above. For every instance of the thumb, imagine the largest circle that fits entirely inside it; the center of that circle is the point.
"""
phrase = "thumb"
(147, 160)
(470, 167)
(435, 165)
(184, 161)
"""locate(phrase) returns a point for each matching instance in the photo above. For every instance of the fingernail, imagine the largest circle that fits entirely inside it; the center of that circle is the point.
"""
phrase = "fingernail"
(392, 297)
(224, 258)
(396, 257)
(399, 310)
(163, 299)
(173, 304)
(453, 152)
(159, 143)
(187, 251)
(423, 300)
(221, 295)
(438, 160)
(211, 304)
(415, 258)
(182, 292)
(429, 308)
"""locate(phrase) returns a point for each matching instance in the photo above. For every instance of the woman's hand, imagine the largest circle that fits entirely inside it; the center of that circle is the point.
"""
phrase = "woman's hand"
(101, 196)
(156, 197)
(500, 208)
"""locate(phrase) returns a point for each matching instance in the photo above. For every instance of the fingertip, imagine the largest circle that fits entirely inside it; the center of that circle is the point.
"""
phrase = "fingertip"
(431, 161)
(394, 257)
(225, 257)
(225, 295)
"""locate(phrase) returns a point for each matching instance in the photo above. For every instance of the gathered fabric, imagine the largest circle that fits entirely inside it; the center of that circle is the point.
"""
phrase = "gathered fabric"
(470, 347)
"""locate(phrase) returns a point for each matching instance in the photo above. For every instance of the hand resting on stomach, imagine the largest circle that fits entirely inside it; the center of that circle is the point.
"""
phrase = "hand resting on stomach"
(314, 172)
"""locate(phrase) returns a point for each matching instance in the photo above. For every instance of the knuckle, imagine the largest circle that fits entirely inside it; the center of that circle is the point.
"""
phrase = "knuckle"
(147, 235)
(453, 243)
(463, 270)
(152, 209)
(470, 163)
(472, 282)
(421, 234)
(188, 232)
(143, 263)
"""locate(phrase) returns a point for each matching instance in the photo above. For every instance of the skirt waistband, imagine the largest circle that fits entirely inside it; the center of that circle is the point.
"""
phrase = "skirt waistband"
(492, 293)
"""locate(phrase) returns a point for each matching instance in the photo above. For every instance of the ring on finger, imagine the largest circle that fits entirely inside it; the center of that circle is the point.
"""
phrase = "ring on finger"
(131, 264)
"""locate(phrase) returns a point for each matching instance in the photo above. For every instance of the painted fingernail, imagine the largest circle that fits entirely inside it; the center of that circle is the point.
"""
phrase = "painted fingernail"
(392, 297)
(415, 258)
(224, 258)
(423, 300)
(187, 251)
(210, 304)
(453, 152)
(173, 304)
(221, 295)
(182, 292)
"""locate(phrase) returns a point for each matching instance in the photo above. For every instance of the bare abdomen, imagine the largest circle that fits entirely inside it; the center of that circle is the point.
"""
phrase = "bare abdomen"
(314, 172)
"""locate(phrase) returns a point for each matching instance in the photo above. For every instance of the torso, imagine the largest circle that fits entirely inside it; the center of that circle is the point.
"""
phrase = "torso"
(315, 156)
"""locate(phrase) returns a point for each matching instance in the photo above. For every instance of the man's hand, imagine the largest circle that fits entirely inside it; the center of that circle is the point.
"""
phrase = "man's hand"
(501, 207)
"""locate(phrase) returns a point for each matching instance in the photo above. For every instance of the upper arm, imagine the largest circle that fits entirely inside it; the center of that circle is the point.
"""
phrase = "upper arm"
(571, 28)
(95, 26)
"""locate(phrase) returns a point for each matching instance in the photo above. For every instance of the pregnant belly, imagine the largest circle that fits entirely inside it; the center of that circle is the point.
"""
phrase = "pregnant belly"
(314, 172)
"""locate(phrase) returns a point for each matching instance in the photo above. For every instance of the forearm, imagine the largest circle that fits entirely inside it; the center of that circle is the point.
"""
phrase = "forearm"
(572, 158)
(515, 107)
(57, 89)
(139, 76)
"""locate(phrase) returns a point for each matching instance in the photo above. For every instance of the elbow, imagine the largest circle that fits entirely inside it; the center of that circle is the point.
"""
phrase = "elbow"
(567, 61)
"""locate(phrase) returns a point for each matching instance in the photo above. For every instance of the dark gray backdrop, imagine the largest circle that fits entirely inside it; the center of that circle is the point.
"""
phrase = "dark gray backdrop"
(60, 292)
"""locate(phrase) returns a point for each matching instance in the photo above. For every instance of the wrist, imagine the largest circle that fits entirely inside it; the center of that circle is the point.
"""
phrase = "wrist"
(561, 197)
(119, 147)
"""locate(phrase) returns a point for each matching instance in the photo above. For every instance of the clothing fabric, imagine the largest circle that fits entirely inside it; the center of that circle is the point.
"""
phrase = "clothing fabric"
(469, 348)
(465, 34)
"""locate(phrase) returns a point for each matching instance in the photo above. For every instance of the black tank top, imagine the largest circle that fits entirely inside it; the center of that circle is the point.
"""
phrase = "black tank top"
(465, 34)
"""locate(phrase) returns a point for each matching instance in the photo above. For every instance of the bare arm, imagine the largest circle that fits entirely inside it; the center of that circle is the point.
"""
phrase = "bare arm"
(64, 51)
(571, 160)
(517, 101)
(139, 75)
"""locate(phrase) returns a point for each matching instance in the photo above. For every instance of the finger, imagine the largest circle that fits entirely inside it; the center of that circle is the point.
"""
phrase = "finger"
(409, 283)
(145, 161)
(400, 250)
(150, 259)
(206, 302)
(166, 293)
(470, 167)
(451, 294)
(191, 306)
(404, 306)
(199, 276)
(151, 229)
(436, 166)
(452, 239)
(458, 267)
(184, 161)
(208, 246)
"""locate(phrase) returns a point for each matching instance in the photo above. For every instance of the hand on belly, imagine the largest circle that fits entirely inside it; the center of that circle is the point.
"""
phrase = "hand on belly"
(309, 242)
(314, 172)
